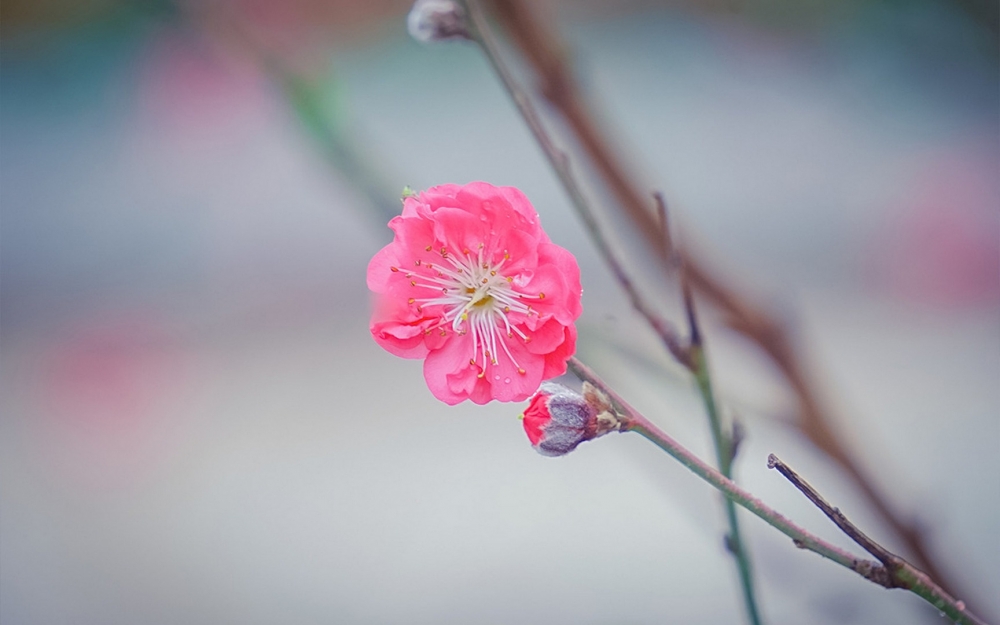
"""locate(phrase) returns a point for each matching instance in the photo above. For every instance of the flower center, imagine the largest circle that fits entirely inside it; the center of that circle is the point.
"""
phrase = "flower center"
(483, 299)
(475, 299)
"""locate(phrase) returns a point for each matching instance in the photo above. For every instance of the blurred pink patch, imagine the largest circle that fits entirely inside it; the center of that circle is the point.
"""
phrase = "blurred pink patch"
(472, 284)
(945, 248)
(187, 86)
(107, 387)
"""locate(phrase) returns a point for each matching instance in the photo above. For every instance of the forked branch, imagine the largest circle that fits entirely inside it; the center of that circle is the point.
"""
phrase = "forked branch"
(904, 575)
(895, 571)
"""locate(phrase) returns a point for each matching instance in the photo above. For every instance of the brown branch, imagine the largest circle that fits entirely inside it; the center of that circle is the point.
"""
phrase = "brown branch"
(839, 519)
(538, 46)
(895, 571)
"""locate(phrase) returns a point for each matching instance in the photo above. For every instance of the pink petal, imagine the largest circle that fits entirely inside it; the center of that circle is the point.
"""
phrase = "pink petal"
(379, 269)
(506, 379)
(449, 376)
(397, 330)
(459, 231)
(555, 362)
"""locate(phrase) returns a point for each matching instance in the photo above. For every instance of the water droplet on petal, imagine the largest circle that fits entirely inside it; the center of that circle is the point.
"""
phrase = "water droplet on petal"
(506, 380)
(496, 377)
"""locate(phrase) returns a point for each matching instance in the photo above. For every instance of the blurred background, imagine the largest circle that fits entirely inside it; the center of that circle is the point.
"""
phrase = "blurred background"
(197, 428)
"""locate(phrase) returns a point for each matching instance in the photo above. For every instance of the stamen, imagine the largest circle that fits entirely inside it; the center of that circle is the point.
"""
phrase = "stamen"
(475, 299)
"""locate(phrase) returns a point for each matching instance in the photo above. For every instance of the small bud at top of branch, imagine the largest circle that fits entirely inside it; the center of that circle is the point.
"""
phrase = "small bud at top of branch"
(437, 20)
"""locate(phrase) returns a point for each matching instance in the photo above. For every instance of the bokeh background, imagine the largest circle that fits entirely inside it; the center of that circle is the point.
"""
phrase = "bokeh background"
(197, 428)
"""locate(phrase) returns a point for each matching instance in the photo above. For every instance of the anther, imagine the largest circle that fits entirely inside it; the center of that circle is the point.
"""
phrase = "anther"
(411, 300)
(427, 249)
(521, 371)
(541, 295)
(394, 269)
(493, 273)
(417, 262)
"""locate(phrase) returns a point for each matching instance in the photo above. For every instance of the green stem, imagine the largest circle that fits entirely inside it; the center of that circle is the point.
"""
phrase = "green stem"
(723, 452)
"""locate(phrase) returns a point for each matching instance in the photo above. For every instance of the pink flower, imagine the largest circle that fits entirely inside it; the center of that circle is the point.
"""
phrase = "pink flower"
(472, 284)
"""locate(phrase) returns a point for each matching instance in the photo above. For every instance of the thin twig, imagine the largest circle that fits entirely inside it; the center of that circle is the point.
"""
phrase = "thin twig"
(722, 442)
(901, 573)
(556, 84)
(560, 163)
(907, 577)
(835, 515)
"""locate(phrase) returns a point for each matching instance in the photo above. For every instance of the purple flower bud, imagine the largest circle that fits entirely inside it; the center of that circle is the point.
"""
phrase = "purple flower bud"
(558, 419)
(436, 20)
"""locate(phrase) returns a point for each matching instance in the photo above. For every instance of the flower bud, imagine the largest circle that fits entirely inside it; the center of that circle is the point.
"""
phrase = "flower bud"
(558, 419)
(436, 20)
